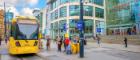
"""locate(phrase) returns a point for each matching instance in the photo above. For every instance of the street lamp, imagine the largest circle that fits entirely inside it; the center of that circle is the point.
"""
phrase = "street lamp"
(81, 29)
(80, 26)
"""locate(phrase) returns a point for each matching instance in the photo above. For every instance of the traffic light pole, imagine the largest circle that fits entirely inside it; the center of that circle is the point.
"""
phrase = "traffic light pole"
(81, 31)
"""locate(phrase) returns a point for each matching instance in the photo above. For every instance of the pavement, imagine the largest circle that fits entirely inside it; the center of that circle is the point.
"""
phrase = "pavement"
(3, 47)
(130, 48)
(90, 50)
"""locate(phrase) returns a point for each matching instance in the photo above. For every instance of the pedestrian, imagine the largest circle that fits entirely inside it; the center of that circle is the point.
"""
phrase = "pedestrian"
(48, 43)
(0, 40)
(85, 41)
(75, 42)
(59, 43)
(39, 40)
(68, 46)
(6, 39)
(98, 40)
(125, 42)
(94, 37)
(68, 49)
(64, 44)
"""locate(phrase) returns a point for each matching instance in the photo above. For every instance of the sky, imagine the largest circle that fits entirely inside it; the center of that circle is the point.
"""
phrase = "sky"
(22, 7)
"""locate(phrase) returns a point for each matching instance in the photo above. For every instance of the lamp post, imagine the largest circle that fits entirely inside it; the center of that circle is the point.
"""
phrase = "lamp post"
(81, 29)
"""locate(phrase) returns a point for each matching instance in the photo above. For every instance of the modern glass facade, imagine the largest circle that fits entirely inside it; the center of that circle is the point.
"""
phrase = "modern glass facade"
(122, 16)
(67, 12)
(63, 11)
(99, 12)
(75, 10)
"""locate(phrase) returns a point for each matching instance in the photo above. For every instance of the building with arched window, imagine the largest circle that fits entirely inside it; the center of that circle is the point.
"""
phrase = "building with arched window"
(67, 12)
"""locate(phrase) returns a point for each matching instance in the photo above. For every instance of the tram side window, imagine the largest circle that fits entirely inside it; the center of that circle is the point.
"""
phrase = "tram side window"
(13, 31)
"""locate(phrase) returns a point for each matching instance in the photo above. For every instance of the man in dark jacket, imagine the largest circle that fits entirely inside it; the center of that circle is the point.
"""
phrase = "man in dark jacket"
(125, 42)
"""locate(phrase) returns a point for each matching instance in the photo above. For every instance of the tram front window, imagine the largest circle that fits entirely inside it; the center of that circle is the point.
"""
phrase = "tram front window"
(27, 32)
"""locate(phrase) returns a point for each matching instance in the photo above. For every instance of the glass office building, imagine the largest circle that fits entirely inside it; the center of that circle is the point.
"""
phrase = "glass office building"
(67, 12)
(123, 17)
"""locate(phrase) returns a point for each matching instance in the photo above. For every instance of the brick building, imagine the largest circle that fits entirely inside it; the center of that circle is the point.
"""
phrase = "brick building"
(1, 23)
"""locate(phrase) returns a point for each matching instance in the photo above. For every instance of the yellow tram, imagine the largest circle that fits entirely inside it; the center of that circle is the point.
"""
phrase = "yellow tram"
(24, 36)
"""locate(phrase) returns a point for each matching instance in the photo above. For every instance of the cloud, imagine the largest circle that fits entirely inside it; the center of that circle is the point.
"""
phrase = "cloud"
(8, 3)
(32, 2)
(14, 10)
(27, 12)
(19, 7)
(18, 2)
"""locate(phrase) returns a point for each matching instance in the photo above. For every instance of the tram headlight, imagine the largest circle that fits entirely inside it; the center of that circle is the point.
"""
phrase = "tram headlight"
(35, 44)
(17, 43)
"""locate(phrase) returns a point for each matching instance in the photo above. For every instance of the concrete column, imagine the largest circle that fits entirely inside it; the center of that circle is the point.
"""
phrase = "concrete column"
(94, 21)
(67, 19)
(138, 28)
(105, 17)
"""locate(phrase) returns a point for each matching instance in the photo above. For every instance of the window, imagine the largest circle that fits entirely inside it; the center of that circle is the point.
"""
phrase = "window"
(99, 12)
(87, 29)
(26, 31)
(88, 26)
(57, 3)
(63, 11)
(74, 0)
(56, 28)
(74, 10)
(72, 25)
(54, 5)
(88, 11)
(99, 2)
(63, 1)
(52, 16)
(61, 27)
(13, 30)
(100, 26)
(56, 14)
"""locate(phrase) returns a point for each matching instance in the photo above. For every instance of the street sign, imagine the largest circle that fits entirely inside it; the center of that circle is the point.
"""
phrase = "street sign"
(98, 29)
(80, 25)
(65, 27)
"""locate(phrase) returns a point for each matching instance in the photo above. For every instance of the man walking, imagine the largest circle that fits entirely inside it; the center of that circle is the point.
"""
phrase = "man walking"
(98, 40)
(125, 42)
(48, 43)
(59, 43)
